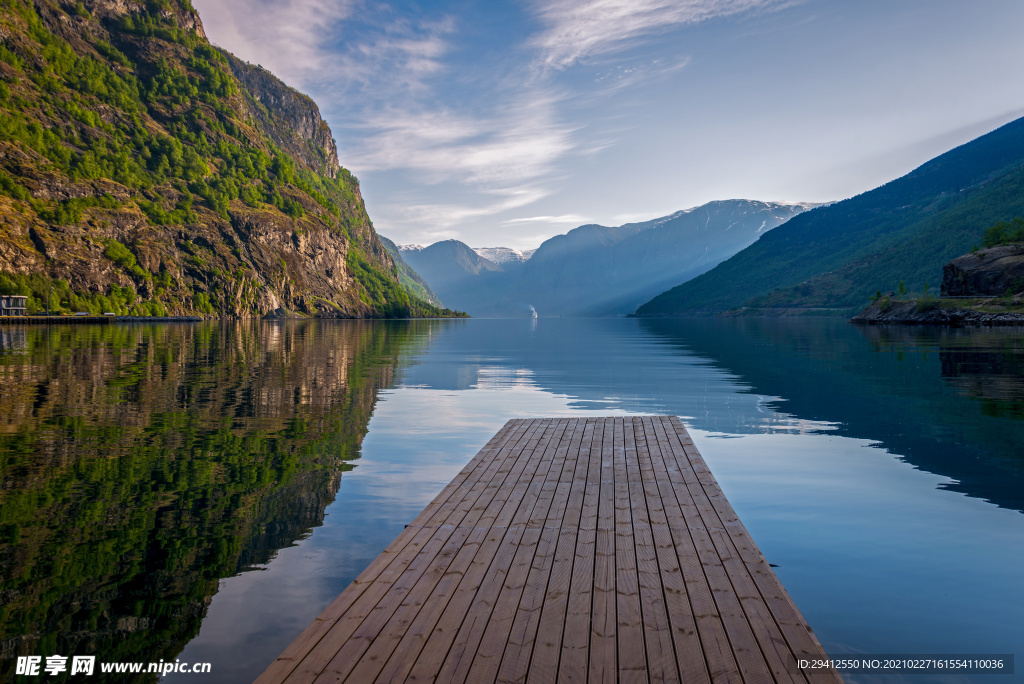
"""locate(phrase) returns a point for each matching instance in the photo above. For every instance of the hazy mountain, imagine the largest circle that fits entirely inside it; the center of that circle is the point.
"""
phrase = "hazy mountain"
(504, 255)
(407, 275)
(450, 267)
(905, 230)
(597, 270)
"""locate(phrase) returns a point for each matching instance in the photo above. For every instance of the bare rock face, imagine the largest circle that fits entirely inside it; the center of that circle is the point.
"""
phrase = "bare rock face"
(988, 272)
(292, 119)
(185, 15)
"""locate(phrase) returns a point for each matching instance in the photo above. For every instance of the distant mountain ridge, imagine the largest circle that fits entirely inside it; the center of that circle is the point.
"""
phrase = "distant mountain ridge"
(596, 270)
(504, 255)
(839, 255)
(446, 266)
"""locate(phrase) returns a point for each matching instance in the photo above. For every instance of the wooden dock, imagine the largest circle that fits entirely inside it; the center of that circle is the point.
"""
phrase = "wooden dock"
(572, 549)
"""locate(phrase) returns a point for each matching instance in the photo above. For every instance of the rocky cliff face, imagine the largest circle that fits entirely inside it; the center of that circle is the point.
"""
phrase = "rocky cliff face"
(291, 119)
(144, 171)
(991, 272)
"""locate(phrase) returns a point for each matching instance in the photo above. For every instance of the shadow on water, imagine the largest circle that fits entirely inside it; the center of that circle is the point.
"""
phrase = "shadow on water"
(948, 401)
(142, 464)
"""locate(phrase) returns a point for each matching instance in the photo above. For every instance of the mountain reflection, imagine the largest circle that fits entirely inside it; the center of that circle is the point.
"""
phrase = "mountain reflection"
(141, 464)
(941, 399)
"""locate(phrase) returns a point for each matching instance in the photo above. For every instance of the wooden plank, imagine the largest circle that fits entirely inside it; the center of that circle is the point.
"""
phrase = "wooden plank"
(718, 653)
(393, 556)
(464, 649)
(597, 549)
(523, 633)
(498, 631)
(603, 652)
(690, 661)
(490, 535)
(338, 648)
(430, 593)
(632, 655)
(754, 611)
(420, 628)
(660, 651)
(797, 637)
(514, 431)
(548, 642)
(572, 666)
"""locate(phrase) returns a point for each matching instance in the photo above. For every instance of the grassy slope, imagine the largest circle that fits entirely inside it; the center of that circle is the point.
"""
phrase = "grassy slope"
(838, 255)
(410, 279)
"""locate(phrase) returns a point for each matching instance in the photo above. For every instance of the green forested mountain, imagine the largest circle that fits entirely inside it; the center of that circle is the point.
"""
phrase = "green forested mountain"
(144, 171)
(905, 230)
(410, 279)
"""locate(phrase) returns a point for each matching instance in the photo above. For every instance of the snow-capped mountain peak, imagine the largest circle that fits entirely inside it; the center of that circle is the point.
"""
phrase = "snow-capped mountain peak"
(503, 255)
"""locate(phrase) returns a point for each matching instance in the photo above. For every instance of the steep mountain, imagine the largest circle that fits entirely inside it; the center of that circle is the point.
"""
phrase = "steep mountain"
(410, 279)
(144, 171)
(451, 267)
(600, 270)
(905, 230)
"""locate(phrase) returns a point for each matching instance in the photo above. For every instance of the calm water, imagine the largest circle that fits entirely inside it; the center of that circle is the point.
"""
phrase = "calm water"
(203, 492)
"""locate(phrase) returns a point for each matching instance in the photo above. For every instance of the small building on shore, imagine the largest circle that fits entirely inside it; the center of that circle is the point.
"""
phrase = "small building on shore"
(13, 305)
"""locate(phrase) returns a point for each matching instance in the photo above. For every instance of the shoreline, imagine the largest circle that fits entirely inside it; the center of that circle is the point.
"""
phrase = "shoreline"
(81, 320)
(909, 313)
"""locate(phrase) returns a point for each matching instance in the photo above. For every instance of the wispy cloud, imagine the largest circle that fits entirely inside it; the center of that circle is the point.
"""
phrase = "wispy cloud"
(288, 37)
(519, 144)
(576, 29)
(572, 219)
(393, 84)
(441, 217)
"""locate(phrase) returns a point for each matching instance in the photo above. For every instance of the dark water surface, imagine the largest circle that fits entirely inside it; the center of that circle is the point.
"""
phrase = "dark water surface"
(202, 492)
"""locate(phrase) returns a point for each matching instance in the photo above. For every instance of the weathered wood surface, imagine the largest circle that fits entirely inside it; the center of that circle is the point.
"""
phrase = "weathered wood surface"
(570, 550)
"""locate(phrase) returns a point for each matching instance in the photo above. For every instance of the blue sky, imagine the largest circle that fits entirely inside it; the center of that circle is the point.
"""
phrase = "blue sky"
(502, 123)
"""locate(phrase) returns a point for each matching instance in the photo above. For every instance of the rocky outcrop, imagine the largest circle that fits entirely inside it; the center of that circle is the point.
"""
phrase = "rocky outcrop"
(184, 15)
(914, 312)
(992, 272)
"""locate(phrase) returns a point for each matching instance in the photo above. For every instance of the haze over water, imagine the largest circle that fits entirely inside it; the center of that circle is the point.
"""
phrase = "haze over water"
(212, 488)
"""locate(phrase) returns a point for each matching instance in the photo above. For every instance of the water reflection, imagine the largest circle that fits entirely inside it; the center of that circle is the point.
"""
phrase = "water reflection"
(145, 468)
(141, 464)
(915, 392)
(937, 398)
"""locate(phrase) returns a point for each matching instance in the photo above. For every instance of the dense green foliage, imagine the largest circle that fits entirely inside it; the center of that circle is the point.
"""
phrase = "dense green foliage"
(836, 256)
(1004, 233)
(388, 297)
(410, 279)
(145, 120)
(57, 297)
